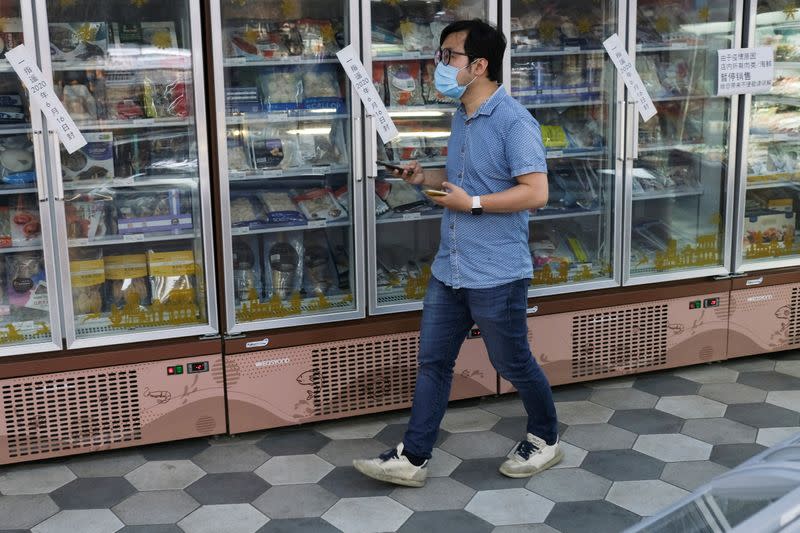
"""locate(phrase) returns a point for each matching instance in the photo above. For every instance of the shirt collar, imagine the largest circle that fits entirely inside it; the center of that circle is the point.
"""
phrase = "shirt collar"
(487, 107)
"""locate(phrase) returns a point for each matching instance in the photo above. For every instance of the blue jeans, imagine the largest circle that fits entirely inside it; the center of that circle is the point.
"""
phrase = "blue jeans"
(501, 314)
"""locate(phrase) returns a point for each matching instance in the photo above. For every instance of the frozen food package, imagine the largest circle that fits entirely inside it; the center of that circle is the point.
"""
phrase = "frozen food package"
(166, 94)
(172, 276)
(11, 35)
(404, 148)
(380, 206)
(283, 263)
(26, 283)
(87, 215)
(319, 204)
(95, 161)
(78, 41)
(148, 211)
(88, 280)
(274, 147)
(247, 210)
(248, 284)
(126, 280)
(318, 262)
(341, 262)
(343, 197)
(436, 145)
(124, 94)
(5, 228)
(281, 89)
(319, 37)
(379, 79)
(17, 160)
(322, 90)
(399, 195)
(78, 100)
(238, 149)
(404, 83)
(280, 208)
(158, 35)
(416, 35)
(321, 146)
(26, 228)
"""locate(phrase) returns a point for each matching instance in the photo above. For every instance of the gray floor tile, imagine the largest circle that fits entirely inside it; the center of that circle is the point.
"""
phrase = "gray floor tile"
(645, 497)
(460, 521)
(292, 442)
(160, 528)
(220, 459)
(165, 475)
(515, 428)
(230, 518)
(527, 528)
(691, 474)
(719, 431)
(367, 515)
(393, 434)
(762, 415)
(623, 465)
(646, 421)
(298, 525)
(85, 521)
(507, 507)
(172, 451)
(155, 507)
(442, 463)
(732, 393)
(624, 398)
(573, 456)
(754, 363)
(732, 455)
(438, 494)
(666, 385)
(294, 469)
(342, 452)
(33, 478)
(769, 381)
(508, 406)
(235, 487)
(477, 445)
(569, 485)
(691, 406)
(573, 517)
(622, 382)
(483, 474)
(106, 464)
(673, 447)
(786, 399)
(582, 412)
(771, 436)
(468, 420)
(357, 428)
(92, 493)
(347, 482)
(791, 368)
(571, 393)
(592, 437)
(295, 501)
(708, 373)
(23, 512)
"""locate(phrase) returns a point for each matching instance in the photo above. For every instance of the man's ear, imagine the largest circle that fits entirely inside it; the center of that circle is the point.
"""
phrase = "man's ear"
(481, 67)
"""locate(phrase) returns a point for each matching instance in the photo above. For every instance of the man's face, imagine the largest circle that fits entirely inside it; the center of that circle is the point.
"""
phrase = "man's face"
(455, 42)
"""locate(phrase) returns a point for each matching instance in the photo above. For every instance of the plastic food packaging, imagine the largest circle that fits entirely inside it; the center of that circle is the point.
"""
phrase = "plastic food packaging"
(17, 160)
(246, 210)
(284, 261)
(87, 215)
(26, 283)
(281, 89)
(72, 41)
(320, 147)
(126, 280)
(399, 195)
(5, 228)
(153, 211)
(416, 37)
(124, 94)
(320, 204)
(247, 281)
(280, 208)
(321, 89)
(404, 83)
(88, 278)
(79, 102)
(26, 229)
(319, 275)
(95, 161)
(172, 276)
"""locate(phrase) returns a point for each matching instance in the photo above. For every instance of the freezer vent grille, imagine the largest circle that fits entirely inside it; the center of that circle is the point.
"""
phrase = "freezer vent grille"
(609, 342)
(67, 413)
(794, 317)
(364, 374)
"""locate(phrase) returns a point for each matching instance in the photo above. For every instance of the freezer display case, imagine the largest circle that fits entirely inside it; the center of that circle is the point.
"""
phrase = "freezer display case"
(558, 69)
(28, 306)
(769, 193)
(402, 224)
(680, 163)
(289, 141)
(133, 205)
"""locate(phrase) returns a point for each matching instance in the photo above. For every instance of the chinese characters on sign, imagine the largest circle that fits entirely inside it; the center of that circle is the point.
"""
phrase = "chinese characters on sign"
(362, 84)
(43, 97)
(745, 70)
(637, 90)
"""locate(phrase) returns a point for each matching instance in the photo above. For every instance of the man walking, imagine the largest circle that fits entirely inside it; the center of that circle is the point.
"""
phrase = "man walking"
(496, 172)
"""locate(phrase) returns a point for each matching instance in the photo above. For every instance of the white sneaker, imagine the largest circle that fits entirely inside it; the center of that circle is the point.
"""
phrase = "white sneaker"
(530, 457)
(394, 467)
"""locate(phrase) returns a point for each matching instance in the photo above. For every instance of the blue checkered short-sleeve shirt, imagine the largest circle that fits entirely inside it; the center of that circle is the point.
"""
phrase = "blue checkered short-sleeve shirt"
(485, 154)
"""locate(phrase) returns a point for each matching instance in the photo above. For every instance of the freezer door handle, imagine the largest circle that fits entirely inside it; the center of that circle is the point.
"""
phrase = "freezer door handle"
(621, 143)
(41, 171)
(56, 158)
(635, 133)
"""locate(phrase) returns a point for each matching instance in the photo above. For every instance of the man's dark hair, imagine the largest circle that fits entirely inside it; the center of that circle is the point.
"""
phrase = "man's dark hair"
(483, 40)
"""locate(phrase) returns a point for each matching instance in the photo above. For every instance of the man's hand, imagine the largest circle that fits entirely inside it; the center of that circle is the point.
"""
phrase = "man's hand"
(456, 199)
(412, 174)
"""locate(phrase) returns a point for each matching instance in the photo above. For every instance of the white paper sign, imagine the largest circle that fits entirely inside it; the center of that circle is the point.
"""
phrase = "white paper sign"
(43, 97)
(745, 70)
(618, 54)
(362, 84)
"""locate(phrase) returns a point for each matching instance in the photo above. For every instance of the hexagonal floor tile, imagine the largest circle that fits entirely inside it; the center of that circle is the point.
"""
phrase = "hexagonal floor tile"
(460, 521)
(342, 452)
(666, 385)
(157, 528)
(438, 494)
(691, 406)
(28, 479)
(647, 421)
(769, 381)
(573, 456)
(623, 382)
(689, 475)
(477, 445)
(294, 469)
(292, 442)
(350, 429)
(673, 447)
(483, 474)
(751, 364)
(298, 525)
(113, 463)
(234, 518)
(506, 406)
(509, 506)
(569, 485)
(174, 451)
(347, 482)
(527, 528)
(791, 368)
(367, 515)
(155, 507)
(571, 393)
(295, 501)
(786, 399)
(732, 393)
(442, 463)
(582, 412)
(393, 434)
(165, 475)
(762, 415)
(732, 455)
(623, 465)
(85, 521)
(592, 437)
(570, 517)
(772, 436)
(646, 497)
(513, 428)
(235, 487)
(93, 493)
(624, 398)
(231, 458)
(708, 373)
(468, 420)
(719, 431)
(23, 512)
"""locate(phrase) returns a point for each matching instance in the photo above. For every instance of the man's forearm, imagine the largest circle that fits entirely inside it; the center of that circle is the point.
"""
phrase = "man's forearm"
(518, 198)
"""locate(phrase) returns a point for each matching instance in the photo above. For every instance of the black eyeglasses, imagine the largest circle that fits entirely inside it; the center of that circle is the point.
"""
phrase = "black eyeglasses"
(443, 55)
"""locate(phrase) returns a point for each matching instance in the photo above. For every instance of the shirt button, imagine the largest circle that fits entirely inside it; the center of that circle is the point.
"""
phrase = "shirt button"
(452, 226)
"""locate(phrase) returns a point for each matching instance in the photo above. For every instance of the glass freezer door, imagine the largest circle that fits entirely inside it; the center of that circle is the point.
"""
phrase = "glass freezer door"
(680, 172)
(290, 176)
(133, 204)
(402, 224)
(560, 71)
(28, 307)
(770, 189)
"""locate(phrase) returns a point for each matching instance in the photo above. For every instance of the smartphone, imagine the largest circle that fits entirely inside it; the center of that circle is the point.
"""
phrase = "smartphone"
(390, 165)
(435, 192)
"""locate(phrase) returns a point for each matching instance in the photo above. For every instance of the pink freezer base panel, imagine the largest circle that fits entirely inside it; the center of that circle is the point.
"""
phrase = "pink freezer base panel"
(67, 413)
(764, 319)
(288, 386)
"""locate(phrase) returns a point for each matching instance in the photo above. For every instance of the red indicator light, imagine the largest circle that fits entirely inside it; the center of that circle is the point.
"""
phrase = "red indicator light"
(170, 370)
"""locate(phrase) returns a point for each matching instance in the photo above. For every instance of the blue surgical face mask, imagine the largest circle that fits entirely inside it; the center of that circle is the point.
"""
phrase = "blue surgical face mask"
(445, 79)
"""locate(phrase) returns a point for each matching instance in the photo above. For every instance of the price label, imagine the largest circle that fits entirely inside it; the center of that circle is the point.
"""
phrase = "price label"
(555, 153)
(237, 61)
(572, 48)
(273, 173)
(317, 223)
(78, 242)
(133, 237)
(412, 216)
(122, 182)
(319, 171)
(144, 121)
(242, 230)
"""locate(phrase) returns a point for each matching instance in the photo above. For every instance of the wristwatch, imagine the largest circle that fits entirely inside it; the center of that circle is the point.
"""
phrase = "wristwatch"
(476, 205)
